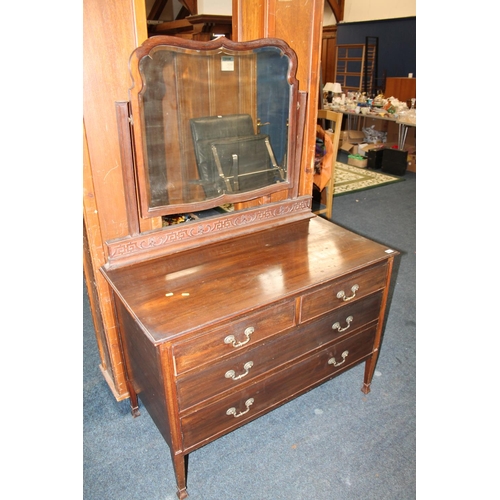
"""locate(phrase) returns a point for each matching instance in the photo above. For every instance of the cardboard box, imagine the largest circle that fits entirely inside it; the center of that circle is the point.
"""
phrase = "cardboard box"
(364, 148)
(355, 150)
(358, 149)
(347, 147)
(394, 161)
(357, 161)
(355, 136)
(344, 136)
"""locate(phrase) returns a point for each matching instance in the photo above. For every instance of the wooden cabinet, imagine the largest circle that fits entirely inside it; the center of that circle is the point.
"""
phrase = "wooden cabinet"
(216, 336)
(401, 88)
(328, 53)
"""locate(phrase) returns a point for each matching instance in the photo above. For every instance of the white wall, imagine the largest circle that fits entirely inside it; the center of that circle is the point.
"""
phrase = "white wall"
(371, 10)
(328, 16)
(354, 10)
(220, 7)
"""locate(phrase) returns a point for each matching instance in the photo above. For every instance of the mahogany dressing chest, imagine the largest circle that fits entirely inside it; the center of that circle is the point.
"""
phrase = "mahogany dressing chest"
(225, 317)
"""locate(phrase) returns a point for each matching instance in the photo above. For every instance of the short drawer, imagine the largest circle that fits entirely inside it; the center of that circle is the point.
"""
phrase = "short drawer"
(251, 401)
(233, 336)
(339, 292)
(216, 378)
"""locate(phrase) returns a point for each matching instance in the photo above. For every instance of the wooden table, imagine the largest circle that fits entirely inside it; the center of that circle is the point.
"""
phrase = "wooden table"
(403, 132)
(353, 123)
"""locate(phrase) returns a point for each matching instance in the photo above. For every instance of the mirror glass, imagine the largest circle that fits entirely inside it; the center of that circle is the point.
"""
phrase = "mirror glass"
(211, 122)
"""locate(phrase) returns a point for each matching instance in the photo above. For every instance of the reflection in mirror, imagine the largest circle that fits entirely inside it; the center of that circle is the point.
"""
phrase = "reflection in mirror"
(231, 157)
(211, 122)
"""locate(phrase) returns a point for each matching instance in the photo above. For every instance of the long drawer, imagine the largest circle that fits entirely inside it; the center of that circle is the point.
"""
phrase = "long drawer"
(333, 295)
(233, 336)
(199, 385)
(252, 400)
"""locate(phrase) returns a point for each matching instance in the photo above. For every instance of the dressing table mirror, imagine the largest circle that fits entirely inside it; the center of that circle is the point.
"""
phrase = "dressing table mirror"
(213, 124)
(194, 108)
(227, 316)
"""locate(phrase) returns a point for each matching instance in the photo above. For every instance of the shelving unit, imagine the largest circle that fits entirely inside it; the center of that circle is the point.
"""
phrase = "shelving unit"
(357, 65)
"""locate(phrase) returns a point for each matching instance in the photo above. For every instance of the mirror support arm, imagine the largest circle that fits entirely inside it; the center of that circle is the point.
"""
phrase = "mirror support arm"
(125, 140)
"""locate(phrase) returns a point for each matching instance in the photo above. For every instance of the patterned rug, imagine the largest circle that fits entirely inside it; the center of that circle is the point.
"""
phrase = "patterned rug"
(349, 179)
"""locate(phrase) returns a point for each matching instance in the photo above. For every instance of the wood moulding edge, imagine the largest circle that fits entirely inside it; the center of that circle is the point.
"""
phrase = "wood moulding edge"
(192, 234)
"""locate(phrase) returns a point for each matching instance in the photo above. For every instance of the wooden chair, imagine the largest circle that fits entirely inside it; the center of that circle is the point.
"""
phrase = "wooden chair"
(336, 121)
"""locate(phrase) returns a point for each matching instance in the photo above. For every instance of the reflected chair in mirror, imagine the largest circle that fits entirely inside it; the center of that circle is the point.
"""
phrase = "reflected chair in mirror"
(231, 158)
(325, 180)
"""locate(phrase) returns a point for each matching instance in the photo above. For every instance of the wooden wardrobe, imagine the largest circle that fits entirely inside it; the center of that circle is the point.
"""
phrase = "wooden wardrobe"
(112, 30)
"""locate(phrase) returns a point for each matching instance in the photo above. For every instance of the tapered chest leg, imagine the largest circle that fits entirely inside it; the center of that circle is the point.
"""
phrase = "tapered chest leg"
(180, 469)
(134, 400)
(369, 370)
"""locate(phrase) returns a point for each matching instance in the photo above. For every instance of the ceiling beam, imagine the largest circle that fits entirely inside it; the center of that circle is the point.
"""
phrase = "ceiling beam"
(191, 6)
(157, 9)
(337, 7)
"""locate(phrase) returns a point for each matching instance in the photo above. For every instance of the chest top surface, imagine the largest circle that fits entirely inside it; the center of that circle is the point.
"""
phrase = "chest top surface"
(200, 287)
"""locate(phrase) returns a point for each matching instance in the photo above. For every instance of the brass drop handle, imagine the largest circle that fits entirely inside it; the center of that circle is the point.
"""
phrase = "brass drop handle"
(230, 339)
(232, 374)
(232, 411)
(336, 326)
(342, 295)
(332, 361)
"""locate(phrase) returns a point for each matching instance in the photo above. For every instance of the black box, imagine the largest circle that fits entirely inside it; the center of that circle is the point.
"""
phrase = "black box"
(342, 156)
(374, 158)
(394, 161)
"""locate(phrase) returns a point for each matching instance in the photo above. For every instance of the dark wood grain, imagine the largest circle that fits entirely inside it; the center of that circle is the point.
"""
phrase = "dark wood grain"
(212, 421)
(144, 371)
(248, 324)
(236, 277)
(199, 350)
(204, 382)
(325, 298)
